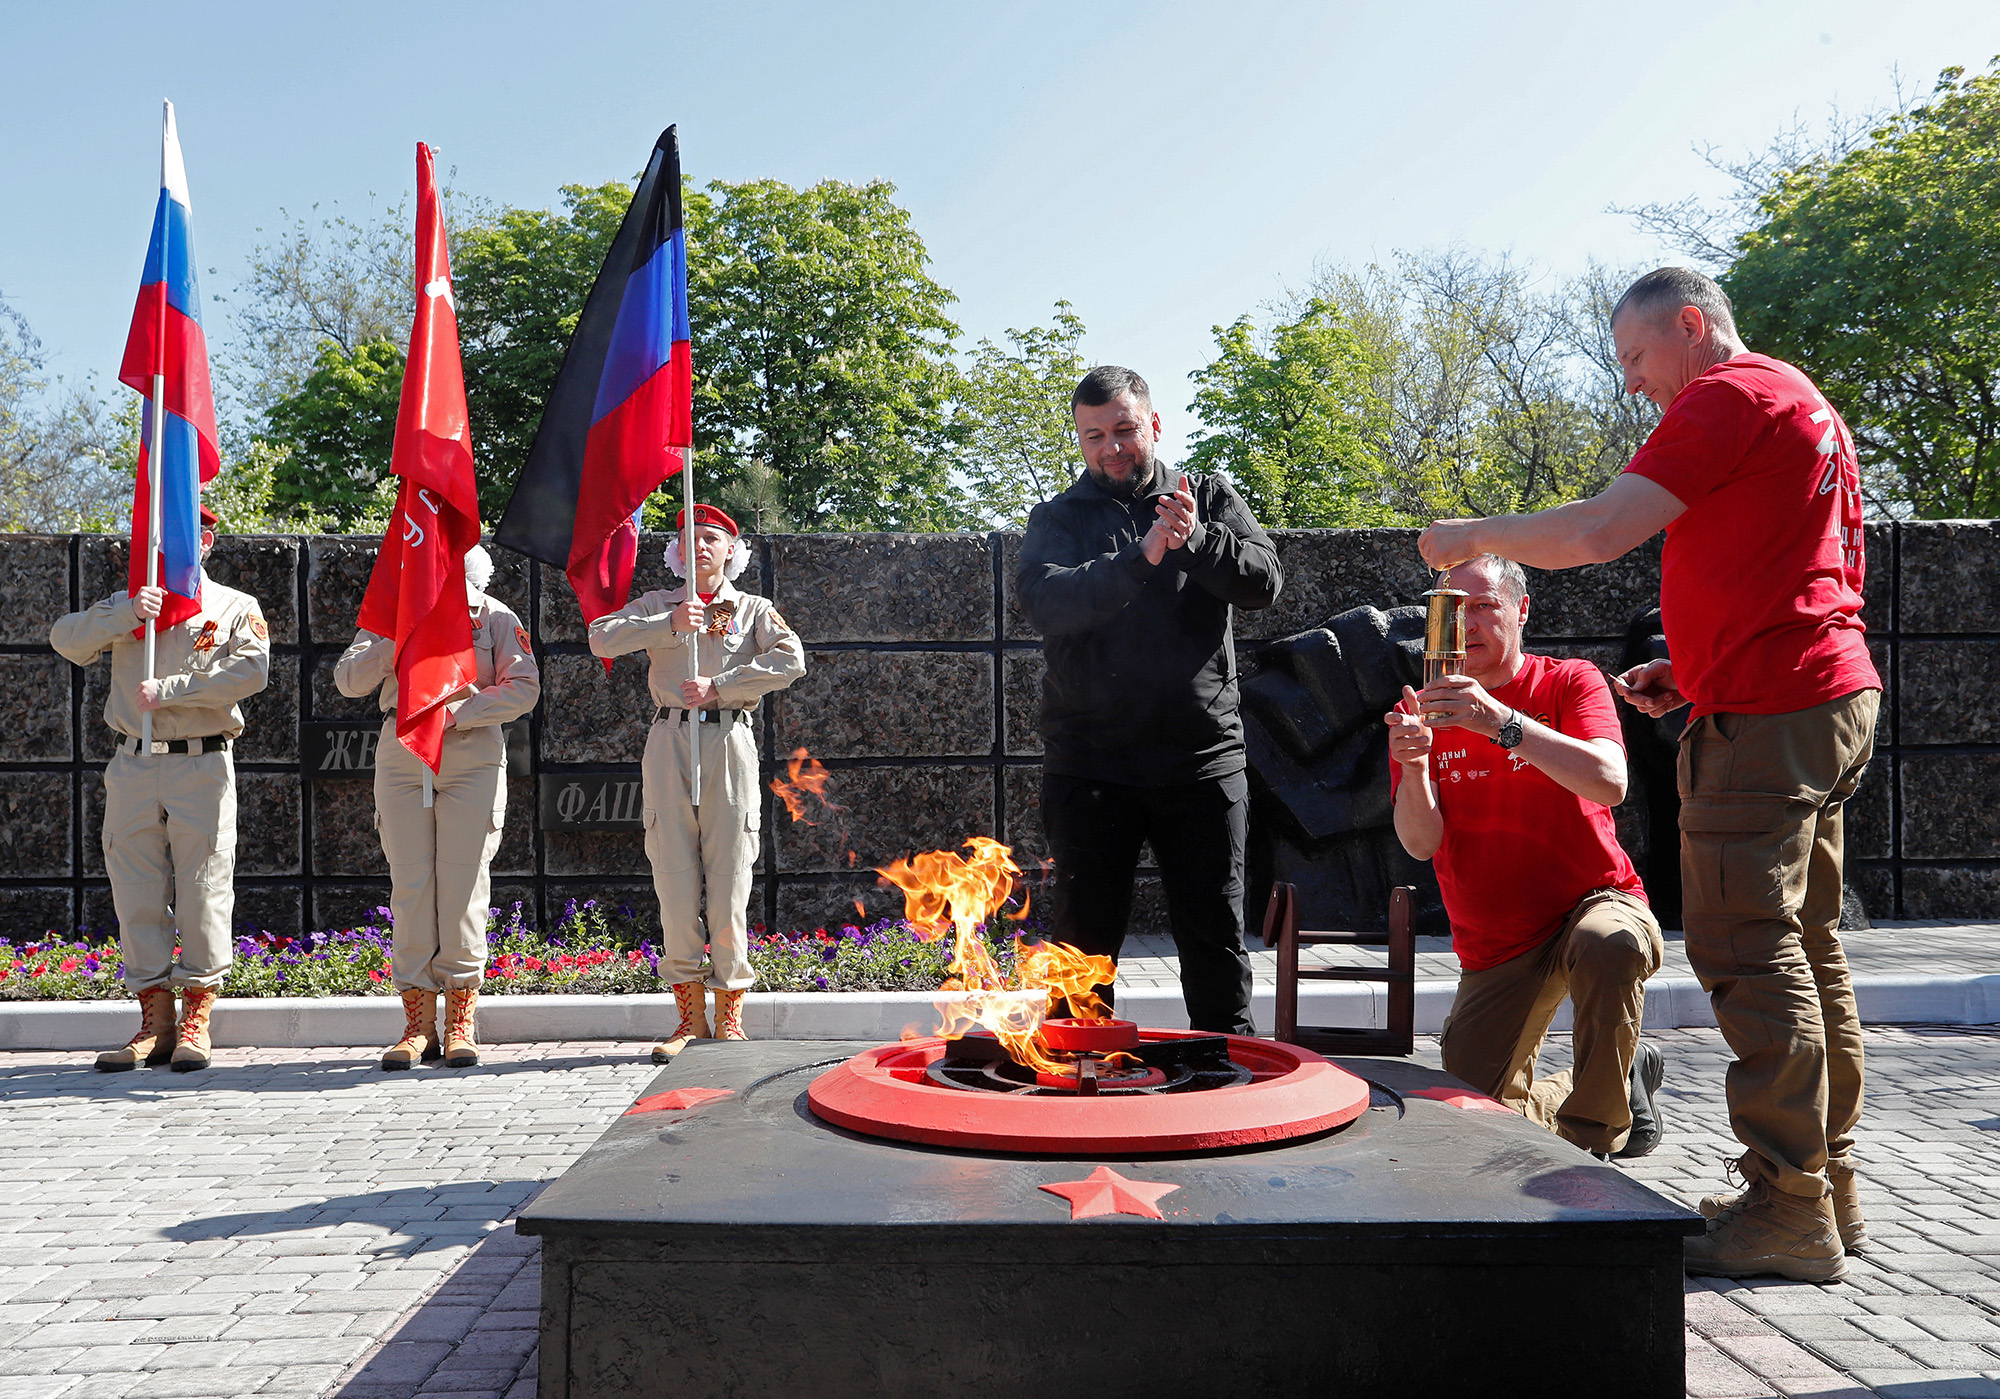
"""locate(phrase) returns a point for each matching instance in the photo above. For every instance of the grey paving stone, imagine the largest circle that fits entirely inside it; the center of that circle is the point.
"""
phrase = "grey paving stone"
(202, 1384)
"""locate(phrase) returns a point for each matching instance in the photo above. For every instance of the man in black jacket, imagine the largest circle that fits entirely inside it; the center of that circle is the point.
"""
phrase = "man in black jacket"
(1130, 575)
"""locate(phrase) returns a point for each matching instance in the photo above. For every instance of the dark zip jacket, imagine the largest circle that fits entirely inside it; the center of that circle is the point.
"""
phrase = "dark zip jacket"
(1140, 686)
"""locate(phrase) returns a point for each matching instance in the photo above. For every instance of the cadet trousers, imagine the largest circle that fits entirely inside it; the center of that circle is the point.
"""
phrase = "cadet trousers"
(1603, 954)
(706, 853)
(1762, 797)
(170, 851)
(1198, 832)
(440, 857)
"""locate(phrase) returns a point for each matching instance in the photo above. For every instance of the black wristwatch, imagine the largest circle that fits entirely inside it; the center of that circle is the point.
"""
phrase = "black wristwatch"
(1510, 732)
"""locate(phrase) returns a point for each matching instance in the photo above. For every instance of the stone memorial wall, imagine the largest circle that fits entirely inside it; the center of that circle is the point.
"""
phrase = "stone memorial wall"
(920, 697)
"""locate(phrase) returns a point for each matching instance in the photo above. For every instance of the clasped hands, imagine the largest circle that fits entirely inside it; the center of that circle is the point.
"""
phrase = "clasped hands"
(1173, 526)
(691, 617)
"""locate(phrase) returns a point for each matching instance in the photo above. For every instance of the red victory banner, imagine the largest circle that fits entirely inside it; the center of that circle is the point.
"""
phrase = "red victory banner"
(417, 592)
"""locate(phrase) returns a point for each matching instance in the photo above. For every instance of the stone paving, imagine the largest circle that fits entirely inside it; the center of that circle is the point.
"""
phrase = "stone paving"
(295, 1222)
(1954, 948)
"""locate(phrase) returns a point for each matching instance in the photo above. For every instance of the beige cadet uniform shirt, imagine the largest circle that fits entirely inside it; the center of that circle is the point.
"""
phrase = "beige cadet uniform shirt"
(509, 682)
(748, 650)
(207, 666)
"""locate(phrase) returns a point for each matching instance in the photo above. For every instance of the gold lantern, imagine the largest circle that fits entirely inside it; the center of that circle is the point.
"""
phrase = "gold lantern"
(1444, 633)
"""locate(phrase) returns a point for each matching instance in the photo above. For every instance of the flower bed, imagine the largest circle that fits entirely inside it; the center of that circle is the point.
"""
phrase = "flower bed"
(591, 950)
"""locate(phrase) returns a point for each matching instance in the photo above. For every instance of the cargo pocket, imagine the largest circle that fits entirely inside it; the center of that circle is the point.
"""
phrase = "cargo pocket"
(1744, 856)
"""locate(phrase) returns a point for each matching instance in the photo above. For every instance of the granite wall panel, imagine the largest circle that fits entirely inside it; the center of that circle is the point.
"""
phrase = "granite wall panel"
(266, 566)
(1946, 891)
(1868, 825)
(831, 903)
(1944, 691)
(100, 919)
(269, 908)
(1599, 601)
(271, 716)
(594, 852)
(1949, 576)
(327, 701)
(35, 813)
(349, 903)
(885, 587)
(1874, 883)
(100, 567)
(891, 811)
(99, 740)
(337, 571)
(1021, 676)
(1023, 787)
(516, 854)
(635, 894)
(267, 823)
(589, 717)
(34, 587)
(880, 704)
(30, 911)
(1329, 571)
(345, 842)
(1950, 806)
(34, 708)
(1878, 587)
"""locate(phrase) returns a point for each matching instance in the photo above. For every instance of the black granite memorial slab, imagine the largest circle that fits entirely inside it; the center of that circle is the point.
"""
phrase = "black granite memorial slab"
(742, 1246)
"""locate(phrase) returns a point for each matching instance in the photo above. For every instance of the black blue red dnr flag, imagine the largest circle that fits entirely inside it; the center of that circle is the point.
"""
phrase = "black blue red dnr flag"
(619, 419)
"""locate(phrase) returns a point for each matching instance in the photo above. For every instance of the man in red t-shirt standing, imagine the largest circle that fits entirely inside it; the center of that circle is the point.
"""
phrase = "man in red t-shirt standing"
(1508, 790)
(1754, 478)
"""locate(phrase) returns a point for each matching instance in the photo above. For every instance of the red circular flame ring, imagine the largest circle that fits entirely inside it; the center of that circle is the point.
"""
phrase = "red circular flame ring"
(883, 1092)
(1094, 1036)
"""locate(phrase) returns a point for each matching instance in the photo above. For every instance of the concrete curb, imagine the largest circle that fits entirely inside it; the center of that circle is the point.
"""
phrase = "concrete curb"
(334, 1021)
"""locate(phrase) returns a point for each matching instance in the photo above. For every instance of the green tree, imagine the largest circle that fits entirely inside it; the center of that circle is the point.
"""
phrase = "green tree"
(1290, 417)
(339, 431)
(59, 445)
(1875, 270)
(1020, 437)
(520, 278)
(822, 348)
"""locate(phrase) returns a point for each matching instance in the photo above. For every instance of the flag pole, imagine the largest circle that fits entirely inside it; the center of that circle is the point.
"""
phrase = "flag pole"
(159, 407)
(694, 642)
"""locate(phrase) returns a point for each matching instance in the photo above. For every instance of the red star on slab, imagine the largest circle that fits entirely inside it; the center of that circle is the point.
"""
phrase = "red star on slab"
(678, 1100)
(1104, 1191)
(1461, 1098)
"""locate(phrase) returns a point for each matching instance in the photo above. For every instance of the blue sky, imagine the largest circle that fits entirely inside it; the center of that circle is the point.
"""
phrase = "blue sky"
(1165, 167)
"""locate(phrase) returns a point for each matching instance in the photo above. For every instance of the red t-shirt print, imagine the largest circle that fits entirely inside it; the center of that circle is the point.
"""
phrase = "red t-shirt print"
(1760, 581)
(1521, 851)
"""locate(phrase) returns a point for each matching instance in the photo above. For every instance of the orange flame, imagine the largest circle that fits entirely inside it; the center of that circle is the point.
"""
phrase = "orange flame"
(945, 890)
(804, 782)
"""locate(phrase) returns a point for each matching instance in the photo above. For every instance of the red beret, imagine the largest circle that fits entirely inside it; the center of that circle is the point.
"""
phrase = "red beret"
(209, 519)
(708, 515)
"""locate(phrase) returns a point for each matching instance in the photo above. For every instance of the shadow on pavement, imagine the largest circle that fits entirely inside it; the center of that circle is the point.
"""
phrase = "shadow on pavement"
(414, 1219)
(475, 1333)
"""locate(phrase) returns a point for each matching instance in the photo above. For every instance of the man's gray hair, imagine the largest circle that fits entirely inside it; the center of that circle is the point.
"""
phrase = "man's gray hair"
(1665, 290)
(1508, 576)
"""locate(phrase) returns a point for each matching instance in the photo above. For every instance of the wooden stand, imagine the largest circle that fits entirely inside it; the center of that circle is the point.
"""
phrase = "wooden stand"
(1281, 930)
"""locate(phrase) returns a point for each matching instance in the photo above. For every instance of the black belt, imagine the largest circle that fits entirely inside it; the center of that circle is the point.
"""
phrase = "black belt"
(214, 743)
(725, 717)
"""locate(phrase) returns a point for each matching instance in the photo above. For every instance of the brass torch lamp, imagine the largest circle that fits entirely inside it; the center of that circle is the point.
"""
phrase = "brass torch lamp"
(1444, 632)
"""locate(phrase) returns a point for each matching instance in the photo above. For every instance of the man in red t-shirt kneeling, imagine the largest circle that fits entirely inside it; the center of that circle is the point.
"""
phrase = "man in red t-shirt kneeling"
(1508, 790)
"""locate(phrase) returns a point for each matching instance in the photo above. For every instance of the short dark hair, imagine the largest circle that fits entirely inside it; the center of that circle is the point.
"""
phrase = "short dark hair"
(1670, 288)
(1105, 383)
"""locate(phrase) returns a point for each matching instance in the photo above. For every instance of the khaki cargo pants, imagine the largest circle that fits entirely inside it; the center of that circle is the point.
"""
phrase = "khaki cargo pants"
(705, 854)
(441, 856)
(170, 851)
(1762, 797)
(1601, 958)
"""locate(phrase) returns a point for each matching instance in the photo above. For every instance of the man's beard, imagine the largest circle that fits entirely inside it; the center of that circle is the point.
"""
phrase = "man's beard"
(1141, 476)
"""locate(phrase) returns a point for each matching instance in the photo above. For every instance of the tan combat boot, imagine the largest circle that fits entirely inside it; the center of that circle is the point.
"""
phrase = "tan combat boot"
(154, 1044)
(1766, 1230)
(420, 1031)
(691, 997)
(461, 1043)
(729, 1015)
(1846, 1203)
(191, 1044)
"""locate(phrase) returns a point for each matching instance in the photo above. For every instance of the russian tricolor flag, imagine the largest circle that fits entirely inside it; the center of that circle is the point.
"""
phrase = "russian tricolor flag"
(619, 419)
(166, 353)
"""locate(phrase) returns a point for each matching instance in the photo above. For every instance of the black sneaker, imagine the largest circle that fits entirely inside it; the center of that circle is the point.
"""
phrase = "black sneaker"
(1648, 1069)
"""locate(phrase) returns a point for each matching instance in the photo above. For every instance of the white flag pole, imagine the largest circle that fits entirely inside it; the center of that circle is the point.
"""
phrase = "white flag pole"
(159, 407)
(694, 642)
